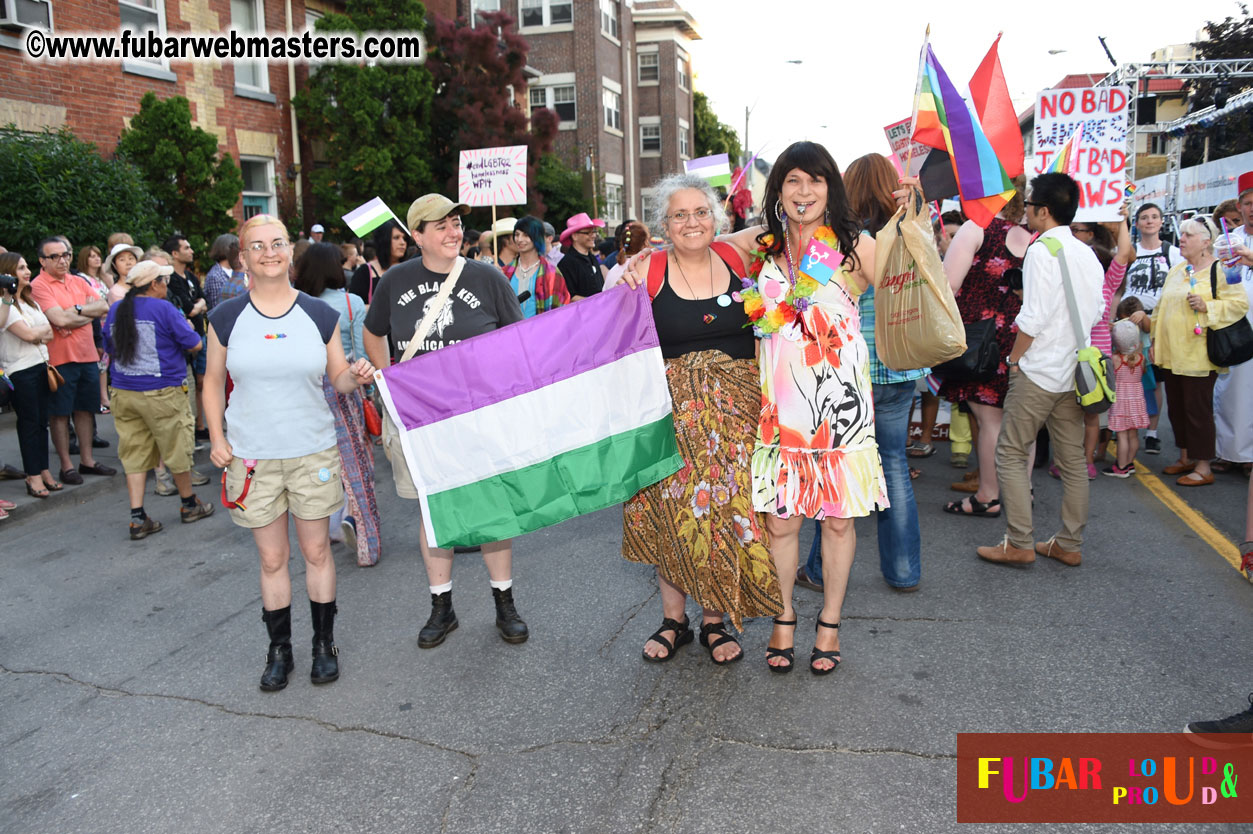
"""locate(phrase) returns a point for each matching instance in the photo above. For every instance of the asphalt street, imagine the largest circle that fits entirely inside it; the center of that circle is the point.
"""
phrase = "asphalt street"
(129, 699)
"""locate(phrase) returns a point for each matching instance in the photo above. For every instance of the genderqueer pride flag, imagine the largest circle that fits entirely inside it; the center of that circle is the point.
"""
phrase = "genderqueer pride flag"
(538, 422)
(716, 168)
(368, 217)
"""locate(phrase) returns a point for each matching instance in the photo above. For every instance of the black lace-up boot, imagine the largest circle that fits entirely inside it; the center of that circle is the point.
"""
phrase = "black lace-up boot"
(508, 623)
(443, 620)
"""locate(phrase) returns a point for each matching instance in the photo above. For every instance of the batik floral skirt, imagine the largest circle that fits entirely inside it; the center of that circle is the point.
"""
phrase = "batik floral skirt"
(698, 526)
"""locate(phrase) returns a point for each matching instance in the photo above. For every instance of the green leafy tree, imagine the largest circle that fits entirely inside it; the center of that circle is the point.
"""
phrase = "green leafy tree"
(67, 188)
(1228, 38)
(372, 123)
(476, 71)
(196, 187)
(562, 190)
(711, 135)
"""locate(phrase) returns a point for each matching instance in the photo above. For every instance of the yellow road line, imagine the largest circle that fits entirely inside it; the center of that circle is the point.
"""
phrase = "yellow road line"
(1199, 523)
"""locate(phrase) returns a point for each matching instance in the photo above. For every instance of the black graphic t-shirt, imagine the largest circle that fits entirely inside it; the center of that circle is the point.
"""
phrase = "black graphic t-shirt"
(482, 301)
(1147, 274)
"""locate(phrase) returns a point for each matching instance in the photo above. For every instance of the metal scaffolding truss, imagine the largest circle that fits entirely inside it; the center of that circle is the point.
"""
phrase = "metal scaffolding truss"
(1129, 73)
(1133, 74)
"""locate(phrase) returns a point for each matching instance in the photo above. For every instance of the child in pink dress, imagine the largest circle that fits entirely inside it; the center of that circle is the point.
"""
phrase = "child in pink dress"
(1128, 413)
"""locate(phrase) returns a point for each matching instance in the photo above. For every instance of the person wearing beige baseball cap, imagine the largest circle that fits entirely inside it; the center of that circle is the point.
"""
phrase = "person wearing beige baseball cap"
(146, 339)
(481, 302)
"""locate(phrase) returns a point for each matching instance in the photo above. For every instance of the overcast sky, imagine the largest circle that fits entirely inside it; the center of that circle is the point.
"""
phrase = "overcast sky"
(860, 58)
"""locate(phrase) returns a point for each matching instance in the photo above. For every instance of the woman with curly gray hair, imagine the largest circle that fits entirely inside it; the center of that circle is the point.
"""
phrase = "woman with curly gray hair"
(698, 526)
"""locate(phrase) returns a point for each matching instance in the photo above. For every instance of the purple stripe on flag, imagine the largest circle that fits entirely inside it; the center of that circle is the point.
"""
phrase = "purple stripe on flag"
(715, 161)
(522, 357)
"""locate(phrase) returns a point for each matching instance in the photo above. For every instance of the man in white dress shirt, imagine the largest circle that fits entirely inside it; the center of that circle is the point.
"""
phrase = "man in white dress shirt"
(1042, 377)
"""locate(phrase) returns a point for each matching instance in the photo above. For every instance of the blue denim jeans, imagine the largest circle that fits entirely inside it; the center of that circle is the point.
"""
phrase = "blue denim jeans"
(900, 541)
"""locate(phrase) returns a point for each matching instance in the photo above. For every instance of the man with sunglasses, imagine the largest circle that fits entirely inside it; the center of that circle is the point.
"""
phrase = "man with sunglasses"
(580, 267)
(71, 306)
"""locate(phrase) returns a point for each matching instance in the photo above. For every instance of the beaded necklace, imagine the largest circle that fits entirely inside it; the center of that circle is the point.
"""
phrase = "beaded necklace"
(795, 301)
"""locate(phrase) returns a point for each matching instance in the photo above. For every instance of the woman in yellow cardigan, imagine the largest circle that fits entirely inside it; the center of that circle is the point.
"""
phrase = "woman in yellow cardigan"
(1186, 309)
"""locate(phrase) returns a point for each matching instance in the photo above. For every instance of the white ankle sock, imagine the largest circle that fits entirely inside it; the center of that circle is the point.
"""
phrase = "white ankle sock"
(1150, 433)
(441, 589)
(502, 586)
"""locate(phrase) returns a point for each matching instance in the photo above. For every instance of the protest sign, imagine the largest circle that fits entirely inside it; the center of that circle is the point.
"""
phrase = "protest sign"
(1102, 155)
(492, 176)
(898, 134)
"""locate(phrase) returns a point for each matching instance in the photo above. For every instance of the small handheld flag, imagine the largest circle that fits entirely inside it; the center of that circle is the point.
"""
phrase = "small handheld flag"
(369, 216)
(1066, 160)
(716, 169)
(820, 261)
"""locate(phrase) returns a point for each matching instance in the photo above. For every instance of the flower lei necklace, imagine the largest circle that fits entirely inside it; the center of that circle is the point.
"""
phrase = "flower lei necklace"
(795, 302)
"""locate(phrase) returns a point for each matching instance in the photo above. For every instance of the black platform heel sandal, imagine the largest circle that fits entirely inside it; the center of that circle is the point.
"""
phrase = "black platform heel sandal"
(818, 654)
(719, 628)
(682, 636)
(788, 654)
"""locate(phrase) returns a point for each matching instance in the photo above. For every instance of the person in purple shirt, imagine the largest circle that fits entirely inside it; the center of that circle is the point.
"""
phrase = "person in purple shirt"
(146, 338)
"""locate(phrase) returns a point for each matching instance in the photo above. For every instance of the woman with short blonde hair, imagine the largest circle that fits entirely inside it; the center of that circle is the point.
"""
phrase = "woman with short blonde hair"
(276, 440)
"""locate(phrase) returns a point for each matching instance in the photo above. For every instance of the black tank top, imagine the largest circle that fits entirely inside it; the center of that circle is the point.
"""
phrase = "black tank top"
(682, 325)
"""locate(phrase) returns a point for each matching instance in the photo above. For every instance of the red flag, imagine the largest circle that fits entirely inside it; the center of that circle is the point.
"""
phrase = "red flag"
(990, 95)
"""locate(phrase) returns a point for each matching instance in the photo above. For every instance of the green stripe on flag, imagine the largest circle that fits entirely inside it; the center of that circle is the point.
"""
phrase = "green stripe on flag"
(580, 481)
(725, 181)
(364, 225)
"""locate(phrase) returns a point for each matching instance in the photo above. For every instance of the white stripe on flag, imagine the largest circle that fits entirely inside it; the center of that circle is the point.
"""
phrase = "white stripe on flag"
(366, 215)
(541, 424)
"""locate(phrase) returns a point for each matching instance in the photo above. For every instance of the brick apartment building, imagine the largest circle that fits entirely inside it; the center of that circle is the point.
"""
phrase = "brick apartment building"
(618, 74)
(247, 106)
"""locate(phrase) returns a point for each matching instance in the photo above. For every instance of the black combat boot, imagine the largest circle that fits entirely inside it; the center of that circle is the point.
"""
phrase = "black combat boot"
(508, 623)
(279, 661)
(325, 666)
(442, 621)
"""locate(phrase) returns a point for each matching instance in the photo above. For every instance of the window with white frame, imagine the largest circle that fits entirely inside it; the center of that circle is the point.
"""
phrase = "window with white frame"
(650, 138)
(248, 17)
(258, 173)
(559, 98)
(609, 18)
(144, 16)
(647, 197)
(613, 201)
(613, 109)
(683, 142)
(546, 12)
(650, 67)
(1157, 144)
(681, 67)
(478, 7)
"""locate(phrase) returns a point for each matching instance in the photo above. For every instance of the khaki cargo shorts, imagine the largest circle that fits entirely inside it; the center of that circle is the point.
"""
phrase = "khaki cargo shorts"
(308, 487)
(395, 454)
(153, 426)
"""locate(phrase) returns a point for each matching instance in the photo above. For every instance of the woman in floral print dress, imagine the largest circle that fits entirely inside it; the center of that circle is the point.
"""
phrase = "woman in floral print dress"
(698, 526)
(976, 264)
(815, 455)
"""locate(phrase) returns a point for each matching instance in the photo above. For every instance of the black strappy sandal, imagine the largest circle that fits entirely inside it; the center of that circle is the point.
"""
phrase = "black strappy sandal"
(682, 636)
(818, 654)
(788, 654)
(719, 628)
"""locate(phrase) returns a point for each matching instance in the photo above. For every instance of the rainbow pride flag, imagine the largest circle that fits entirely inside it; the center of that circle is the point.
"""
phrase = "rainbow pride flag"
(1066, 160)
(947, 122)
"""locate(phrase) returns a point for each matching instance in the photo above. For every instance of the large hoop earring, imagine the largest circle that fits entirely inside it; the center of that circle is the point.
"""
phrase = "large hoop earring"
(779, 213)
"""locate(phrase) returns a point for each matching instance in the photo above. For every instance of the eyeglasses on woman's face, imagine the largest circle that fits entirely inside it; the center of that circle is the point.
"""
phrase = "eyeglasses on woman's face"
(275, 246)
(681, 217)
